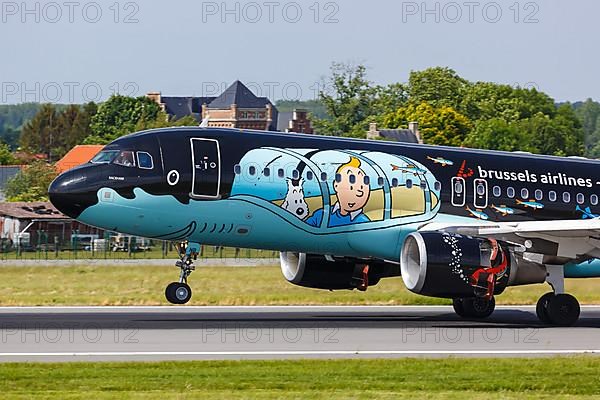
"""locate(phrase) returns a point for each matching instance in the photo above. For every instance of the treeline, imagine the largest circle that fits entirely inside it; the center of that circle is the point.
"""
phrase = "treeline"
(453, 111)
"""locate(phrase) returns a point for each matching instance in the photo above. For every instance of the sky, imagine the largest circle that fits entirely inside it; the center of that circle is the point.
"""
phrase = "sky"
(70, 51)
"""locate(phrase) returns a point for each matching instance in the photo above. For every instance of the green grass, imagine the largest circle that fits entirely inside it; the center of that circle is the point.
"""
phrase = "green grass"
(542, 378)
(144, 285)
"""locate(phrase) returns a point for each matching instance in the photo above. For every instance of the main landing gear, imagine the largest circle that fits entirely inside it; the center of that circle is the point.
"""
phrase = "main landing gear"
(474, 307)
(557, 307)
(180, 292)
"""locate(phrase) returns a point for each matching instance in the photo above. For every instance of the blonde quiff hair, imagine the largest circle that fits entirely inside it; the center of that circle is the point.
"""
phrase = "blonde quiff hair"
(353, 163)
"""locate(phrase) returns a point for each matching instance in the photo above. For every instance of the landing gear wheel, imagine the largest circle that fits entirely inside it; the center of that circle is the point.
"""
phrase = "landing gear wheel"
(563, 310)
(479, 307)
(541, 309)
(178, 293)
(459, 307)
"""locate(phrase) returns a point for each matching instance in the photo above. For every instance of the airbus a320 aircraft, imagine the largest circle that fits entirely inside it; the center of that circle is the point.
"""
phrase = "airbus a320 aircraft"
(455, 223)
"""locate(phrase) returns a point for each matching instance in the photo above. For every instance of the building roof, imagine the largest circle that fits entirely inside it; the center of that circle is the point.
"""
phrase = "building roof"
(399, 135)
(180, 107)
(39, 210)
(239, 95)
(78, 155)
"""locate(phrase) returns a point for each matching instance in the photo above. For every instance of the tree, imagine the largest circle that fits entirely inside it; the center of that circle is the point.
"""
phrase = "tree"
(121, 115)
(588, 113)
(31, 184)
(6, 156)
(498, 134)
(437, 86)
(39, 134)
(442, 126)
(561, 136)
(354, 101)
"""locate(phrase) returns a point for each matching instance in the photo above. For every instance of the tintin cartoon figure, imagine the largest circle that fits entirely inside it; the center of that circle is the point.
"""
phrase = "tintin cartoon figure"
(352, 195)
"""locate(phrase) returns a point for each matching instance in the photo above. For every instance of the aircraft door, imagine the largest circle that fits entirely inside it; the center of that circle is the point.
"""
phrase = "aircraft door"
(458, 191)
(206, 168)
(480, 187)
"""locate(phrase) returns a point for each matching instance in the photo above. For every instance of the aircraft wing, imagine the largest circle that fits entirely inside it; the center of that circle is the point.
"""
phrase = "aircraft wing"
(572, 239)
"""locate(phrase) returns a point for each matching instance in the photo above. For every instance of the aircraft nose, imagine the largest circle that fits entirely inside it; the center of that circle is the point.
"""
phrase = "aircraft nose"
(72, 192)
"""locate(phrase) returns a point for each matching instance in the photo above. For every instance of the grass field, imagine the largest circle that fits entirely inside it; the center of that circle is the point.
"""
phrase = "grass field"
(542, 378)
(144, 285)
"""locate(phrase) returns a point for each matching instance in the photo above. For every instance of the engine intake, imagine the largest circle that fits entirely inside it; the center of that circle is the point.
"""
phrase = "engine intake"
(450, 266)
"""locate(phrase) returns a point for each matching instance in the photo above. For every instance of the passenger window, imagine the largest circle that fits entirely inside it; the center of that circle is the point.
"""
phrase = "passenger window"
(338, 178)
(594, 199)
(237, 169)
(566, 197)
(480, 190)
(280, 173)
(380, 181)
(252, 170)
(552, 195)
(145, 160)
(423, 185)
(458, 188)
(539, 195)
(409, 184)
(367, 180)
(295, 174)
(524, 193)
(394, 182)
(580, 198)
(437, 186)
(267, 172)
(510, 192)
(497, 191)
(309, 176)
(323, 176)
(352, 179)
(125, 159)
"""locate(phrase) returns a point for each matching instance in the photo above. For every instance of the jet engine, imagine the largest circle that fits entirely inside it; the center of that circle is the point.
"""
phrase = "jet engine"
(321, 272)
(456, 266)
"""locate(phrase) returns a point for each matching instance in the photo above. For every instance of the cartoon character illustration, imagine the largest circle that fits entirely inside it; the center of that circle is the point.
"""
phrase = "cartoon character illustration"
(586, 213)
(411, 169)
(502, 209)
(352, 195)
(478, 214)
(442, 161)
(531, 204)
(294, 199)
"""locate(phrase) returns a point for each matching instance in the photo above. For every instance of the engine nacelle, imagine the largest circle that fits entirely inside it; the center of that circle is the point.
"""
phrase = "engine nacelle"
(447, 265)
(316, 271)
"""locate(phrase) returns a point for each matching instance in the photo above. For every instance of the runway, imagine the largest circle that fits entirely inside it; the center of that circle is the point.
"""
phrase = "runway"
(210, 333)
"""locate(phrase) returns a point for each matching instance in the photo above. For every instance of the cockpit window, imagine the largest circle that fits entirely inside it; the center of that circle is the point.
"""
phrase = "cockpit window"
(145, 160)
(104, 157)
(125, 158)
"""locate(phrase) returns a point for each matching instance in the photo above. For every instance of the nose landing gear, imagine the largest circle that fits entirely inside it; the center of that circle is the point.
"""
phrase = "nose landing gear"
(180, 292)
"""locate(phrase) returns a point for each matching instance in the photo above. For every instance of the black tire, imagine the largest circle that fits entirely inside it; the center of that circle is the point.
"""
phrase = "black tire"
(479, 307)
(459, 308)
(563, 310)
(541, 309)
(178, 293)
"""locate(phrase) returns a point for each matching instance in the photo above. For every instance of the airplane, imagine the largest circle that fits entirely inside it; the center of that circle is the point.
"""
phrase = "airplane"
(344, 214)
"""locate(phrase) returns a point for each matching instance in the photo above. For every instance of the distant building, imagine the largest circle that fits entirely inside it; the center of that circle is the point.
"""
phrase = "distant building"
(295, 121)
(77, 156)
(410, 135)
(37, 223)
(236, 107)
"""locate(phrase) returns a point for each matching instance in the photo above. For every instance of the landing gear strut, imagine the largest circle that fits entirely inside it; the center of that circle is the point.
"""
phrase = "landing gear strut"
(180, 292)
(557, 307)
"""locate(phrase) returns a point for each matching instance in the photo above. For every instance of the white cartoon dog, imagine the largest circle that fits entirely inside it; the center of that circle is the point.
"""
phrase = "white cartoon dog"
(294, 199)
